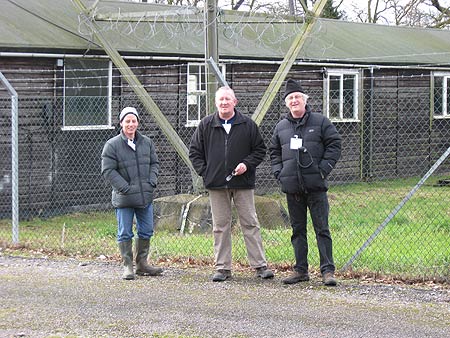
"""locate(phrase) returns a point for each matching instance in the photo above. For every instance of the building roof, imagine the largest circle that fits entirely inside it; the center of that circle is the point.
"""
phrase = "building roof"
(56, 26)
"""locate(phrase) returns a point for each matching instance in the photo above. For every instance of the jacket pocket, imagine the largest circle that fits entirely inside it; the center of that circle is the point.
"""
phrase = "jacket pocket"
(315, 182)
(148, 187)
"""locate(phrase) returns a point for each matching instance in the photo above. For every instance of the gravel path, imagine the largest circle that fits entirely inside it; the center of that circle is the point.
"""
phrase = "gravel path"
(66, 298)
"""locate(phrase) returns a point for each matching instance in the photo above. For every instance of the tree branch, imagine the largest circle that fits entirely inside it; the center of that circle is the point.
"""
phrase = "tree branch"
(440, 8)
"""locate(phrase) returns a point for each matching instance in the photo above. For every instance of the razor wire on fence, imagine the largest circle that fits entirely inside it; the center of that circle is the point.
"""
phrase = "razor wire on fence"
(387, 149)
(160, 27)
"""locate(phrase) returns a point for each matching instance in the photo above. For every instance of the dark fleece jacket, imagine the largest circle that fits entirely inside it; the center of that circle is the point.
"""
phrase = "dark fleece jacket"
(214, 153)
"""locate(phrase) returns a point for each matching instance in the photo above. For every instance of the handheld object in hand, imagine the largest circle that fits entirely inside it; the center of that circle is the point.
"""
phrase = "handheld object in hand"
(229, 177)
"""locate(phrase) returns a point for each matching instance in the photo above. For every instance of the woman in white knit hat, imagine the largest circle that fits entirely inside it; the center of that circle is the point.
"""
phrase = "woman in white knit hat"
(131, 166)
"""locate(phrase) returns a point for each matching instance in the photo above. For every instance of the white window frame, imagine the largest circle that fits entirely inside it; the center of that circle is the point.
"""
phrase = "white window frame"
(445, 91)
(196, 92)
(356, 85)
(108, 112)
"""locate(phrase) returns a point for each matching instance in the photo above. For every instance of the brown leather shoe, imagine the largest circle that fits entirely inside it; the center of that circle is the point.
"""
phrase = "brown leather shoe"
(296, 277)
(328, 279)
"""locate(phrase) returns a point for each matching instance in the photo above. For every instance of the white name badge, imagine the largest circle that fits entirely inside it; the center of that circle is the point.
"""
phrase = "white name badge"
(296, 143)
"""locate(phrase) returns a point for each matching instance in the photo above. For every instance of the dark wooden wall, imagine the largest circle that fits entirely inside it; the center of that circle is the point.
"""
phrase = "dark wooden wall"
(60, 169)
(34, 82)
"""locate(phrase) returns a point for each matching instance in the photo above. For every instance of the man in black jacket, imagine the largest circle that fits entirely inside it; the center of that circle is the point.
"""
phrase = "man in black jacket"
(304, 148)
(225, 150)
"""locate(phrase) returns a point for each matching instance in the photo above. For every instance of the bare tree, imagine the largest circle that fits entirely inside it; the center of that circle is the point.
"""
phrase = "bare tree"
(442, 20)
(376, 11)
(419, 13)
(192, 3)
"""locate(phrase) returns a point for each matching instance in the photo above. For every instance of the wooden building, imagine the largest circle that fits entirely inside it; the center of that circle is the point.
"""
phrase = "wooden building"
(384, 87)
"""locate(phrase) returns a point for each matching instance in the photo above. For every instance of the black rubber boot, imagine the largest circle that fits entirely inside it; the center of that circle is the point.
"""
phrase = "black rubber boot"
(126, 251)
(142, 267)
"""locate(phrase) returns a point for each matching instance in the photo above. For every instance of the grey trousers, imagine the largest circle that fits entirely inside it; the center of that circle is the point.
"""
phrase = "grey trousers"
(221, 205)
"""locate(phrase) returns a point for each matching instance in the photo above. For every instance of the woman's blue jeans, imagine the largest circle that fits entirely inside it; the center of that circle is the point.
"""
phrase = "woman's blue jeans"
(317, 203)
(144, 223)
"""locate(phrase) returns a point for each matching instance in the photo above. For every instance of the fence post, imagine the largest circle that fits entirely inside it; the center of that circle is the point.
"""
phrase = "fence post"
(14, 158)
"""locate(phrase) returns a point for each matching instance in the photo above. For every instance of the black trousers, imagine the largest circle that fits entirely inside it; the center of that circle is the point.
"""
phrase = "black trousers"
(318, 206)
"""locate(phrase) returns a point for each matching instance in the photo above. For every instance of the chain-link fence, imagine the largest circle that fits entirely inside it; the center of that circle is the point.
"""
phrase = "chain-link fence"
(384, 217)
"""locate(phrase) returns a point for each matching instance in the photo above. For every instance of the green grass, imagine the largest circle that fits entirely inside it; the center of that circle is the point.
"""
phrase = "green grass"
(416, 242)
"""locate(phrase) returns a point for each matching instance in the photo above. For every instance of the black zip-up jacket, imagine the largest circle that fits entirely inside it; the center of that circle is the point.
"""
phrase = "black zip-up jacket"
(132, 174)
(214, 153)
(304, 170)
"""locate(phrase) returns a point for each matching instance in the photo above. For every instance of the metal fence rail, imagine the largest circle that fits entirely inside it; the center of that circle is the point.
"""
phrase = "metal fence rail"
(65, 204)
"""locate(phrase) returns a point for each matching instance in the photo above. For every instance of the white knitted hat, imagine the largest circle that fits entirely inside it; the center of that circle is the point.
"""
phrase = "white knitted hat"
(128, 110)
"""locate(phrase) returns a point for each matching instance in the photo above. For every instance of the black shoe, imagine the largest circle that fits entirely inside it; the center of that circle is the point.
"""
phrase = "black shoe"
(264, 272)
(296, 277)
(328, 279)
(221, 275)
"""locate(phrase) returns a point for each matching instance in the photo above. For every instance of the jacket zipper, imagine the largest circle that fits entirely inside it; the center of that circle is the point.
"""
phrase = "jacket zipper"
(226, 157)
(297, 130)
(139, 177)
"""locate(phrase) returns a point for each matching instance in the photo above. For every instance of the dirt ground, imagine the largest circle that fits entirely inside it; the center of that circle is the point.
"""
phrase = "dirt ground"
(69, 298)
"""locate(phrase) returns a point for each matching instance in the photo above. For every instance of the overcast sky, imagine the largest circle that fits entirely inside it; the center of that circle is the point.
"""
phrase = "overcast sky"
(347, 5)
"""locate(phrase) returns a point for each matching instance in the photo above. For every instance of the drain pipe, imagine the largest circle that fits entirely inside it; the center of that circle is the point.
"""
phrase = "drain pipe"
(14, 158)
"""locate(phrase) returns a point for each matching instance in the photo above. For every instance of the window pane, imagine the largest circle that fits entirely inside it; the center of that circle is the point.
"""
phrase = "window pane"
(348, 94)
(334, 97)
(192, 87)
(196, 91)
(438, 98)
(86, 92)
(196, 78)
(86, 111)
(202, 78)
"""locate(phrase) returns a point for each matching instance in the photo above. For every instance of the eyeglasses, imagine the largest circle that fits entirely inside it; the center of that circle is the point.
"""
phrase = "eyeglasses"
(295, 97)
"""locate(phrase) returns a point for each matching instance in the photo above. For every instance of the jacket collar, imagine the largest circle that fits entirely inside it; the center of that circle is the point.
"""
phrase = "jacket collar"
(218, 123)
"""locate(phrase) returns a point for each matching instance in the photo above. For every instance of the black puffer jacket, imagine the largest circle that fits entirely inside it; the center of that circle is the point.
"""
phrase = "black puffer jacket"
(214, 153)
(306, 169)
(132, 174)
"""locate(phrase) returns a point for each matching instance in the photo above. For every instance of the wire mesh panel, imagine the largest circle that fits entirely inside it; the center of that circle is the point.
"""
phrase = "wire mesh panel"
(394, 129)
(5, 153)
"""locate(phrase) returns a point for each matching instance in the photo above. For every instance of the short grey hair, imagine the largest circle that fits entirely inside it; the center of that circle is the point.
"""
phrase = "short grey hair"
(226, 88)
